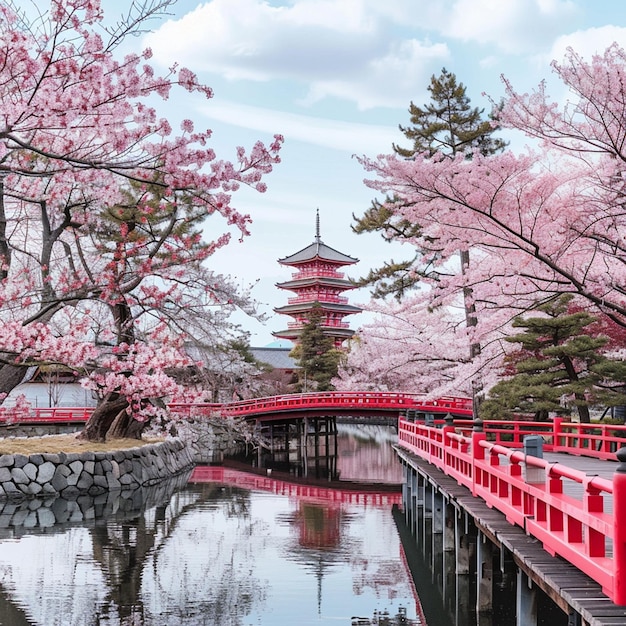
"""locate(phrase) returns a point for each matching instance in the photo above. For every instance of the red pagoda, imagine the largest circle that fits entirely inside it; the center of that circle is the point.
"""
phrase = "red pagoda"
(317, 282)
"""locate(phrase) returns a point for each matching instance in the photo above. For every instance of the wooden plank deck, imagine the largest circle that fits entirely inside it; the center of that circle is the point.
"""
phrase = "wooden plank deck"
(566, 585)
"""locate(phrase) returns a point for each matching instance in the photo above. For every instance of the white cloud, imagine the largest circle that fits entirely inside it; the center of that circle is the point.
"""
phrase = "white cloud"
(588, 42)
(513, 26)
(341, 49)
(337, 135)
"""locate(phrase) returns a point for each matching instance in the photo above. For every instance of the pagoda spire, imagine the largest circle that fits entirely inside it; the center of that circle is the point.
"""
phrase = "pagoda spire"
(317, 227)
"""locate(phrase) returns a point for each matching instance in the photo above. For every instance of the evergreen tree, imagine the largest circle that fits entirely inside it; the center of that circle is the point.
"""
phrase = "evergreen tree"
(444, 127)
(558, 359)
(315, 355)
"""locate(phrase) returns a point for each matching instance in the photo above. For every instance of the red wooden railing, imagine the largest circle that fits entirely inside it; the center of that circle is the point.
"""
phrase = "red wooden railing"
(342, 401)
(394, 403)
(587, 530)
(57, 415)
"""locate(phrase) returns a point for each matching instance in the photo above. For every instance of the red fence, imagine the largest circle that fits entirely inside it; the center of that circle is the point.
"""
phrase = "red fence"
(347, 402)
(57, 415)
(586, 528)
(340, 401)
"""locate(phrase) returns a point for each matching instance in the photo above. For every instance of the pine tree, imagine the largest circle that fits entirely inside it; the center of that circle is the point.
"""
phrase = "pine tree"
(446, 126)
(315, 355)
(558, 359)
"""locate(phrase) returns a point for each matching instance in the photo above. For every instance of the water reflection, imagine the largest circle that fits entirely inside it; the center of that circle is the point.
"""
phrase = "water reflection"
(226, 548)
(353, 452)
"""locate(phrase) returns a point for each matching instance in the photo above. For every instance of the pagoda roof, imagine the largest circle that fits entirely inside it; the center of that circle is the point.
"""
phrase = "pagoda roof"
(311, 281)
(318, 250)
(303, 307)
(294, 333)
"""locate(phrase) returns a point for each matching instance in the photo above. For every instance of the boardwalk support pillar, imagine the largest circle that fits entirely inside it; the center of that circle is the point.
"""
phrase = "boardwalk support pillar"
(526, 614)
(484, 573)
(619, 531)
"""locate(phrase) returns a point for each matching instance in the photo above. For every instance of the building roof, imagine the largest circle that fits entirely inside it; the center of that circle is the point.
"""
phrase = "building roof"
(330, 331)
(318, 249)
(303, 307)
(278, 358)
(339, 283)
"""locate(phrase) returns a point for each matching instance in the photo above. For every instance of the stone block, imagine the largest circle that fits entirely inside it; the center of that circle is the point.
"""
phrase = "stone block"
(100, 481)
(19, 460)
(53, 458)
(85, 481)
(112, 482)
(71, 492)
(6, 460)
(19, 477)
(45, 472)
(59, 480)
(76, 466)
(10, 489)
(30, 469)
(32, 489)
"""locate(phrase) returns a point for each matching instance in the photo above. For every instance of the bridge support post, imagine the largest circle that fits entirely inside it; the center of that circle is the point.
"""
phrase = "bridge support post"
(462, 568)
(484, 574)
(437, 534)
(619, 531)
(526, 601)
(461, 540)
(449, 527)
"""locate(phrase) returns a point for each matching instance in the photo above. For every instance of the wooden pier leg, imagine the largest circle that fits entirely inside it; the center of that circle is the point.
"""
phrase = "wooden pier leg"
(526, 601)
(462, 542)
(438, 522)
(419, 495)
(449, 527)
(484, 575)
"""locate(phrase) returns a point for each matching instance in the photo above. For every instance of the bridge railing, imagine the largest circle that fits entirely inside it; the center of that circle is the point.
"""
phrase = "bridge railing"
(343, 401)
(330, 399)
(597, 440)
(55, 415)
(578, 517)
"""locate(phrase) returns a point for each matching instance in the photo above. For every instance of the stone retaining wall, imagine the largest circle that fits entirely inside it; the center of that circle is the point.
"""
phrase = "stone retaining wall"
(93, 473)
(29, 516)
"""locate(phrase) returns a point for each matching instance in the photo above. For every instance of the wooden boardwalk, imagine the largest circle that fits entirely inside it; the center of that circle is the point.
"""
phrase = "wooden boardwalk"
(566, 585)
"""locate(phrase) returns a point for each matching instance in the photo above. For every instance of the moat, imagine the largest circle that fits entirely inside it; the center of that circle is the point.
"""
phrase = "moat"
(219, 547)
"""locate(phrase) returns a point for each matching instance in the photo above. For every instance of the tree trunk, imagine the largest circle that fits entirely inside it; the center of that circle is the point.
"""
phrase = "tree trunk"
(11, 376)
(125, 426)
(583, 414)
(105, 414)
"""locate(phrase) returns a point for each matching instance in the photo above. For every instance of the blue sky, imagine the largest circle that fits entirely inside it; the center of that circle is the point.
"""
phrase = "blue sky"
(336, 77)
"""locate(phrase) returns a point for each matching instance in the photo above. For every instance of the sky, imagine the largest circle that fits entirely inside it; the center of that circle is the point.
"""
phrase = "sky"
(336, 78)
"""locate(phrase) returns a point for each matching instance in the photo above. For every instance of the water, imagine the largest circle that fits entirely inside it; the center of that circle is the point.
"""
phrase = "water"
(219, 547)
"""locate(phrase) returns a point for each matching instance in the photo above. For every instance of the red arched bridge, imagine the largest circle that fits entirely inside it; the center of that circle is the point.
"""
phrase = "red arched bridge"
(354, 403)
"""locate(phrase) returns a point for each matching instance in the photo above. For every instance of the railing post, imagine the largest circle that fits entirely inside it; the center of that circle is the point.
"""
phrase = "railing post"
(478, 452)
(556, 433)
(447, 429)
(619, 529)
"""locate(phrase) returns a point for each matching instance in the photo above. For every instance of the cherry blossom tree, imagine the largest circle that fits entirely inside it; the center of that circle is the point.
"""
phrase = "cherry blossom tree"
(547, 221)
(104, 210)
